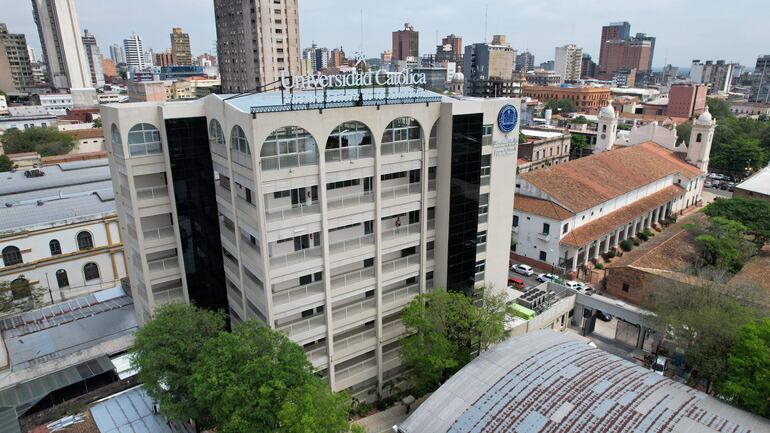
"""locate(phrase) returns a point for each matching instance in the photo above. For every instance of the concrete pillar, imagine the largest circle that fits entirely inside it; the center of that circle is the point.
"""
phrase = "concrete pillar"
(607, 243)
(586, 250)
(640, 338)
(574, 260)
(648, 221)
(597, 249)
(617, 239)
(625, 231)
(577, 315)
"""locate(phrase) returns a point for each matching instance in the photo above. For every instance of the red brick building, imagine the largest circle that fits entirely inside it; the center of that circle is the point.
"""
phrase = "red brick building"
(686, 100)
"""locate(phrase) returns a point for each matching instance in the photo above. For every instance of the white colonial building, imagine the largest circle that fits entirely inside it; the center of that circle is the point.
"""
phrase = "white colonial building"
(567, 214)
(60, 231)
(322, 219)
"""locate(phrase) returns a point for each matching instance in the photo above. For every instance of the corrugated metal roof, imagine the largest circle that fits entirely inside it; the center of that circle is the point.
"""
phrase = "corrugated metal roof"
(130, 412)
(548, 381)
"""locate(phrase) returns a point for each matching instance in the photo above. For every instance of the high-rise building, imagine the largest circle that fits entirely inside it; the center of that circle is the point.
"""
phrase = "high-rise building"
(406, 43)
(164, 58)
(488, 71)
(94, 59)
(587, 67)
(312, 223)
(337, 57)
(134, 51)
(760, 81)
(456, 43)
(256, 40)
(180, 47)
(57, 25)
(718, 75)
(525, 62)
(117, 54)
(568, 61)
(618, 50)
(318, 56)
(16, 73)
(686, 100)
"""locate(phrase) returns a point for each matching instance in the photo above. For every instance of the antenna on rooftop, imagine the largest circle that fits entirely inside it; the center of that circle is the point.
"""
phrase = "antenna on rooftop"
(486, 21)
(361, 43)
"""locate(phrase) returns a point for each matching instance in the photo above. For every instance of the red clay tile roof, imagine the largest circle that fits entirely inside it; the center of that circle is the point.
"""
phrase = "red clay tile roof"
(541, 207)
(583, 183)
(599, 227)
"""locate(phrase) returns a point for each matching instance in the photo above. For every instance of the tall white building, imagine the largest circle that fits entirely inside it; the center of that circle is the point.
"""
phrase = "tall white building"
(567, 62)
(57, 25)
(322, 221)
(117, 54)
(94, 58)
(134, 52)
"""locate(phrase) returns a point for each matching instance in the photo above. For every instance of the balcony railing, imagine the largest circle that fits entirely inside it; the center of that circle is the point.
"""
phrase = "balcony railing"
(296, 257)
(355, 342)
(302, 326)
(544, 236)
(168, 295)
(219, 149)
(393, 329)
(284, 213)
(152, 192)
(483, 218)
(298, 293)
(486, 140)
(395, 233)
(400, 191)
(432, 185)
(432, 224)
(159, 233)
(242, 159)
(351, 244)
(227, 232)
(357, 372)
(169, 264)
(400, 297)
(254, 247)
(350, 200)
(433, 143)
(485, 180)
(318, 356)
(224, 193)
(343, 314)
(391, 358)
(340, 282)
(400, 263)
(481, 248)
(400, 147)
(232, 265)
(349, 153)
(281, 162)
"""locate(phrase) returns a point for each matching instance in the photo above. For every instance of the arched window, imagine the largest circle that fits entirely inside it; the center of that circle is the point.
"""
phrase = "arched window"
(238, 140)
(216, 134)
(698, 137)
(402, 135)
(11, 256)
(55, 247)
(350, 140)
(117, 144)
(85, 241)
(91, 271)
(433, 139)
(287, 147)
(20, 288)
(143, 139)
(62, 280)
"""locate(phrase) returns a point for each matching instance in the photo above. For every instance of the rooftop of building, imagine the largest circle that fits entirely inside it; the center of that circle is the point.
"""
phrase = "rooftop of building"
(80, 134)
(542, 134)
(538, 206)
(68, 192)
(587, 182)
(551, 381)
(758, 183)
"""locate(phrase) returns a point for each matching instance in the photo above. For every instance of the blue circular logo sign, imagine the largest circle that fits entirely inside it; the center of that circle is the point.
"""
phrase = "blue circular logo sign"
(507, 118)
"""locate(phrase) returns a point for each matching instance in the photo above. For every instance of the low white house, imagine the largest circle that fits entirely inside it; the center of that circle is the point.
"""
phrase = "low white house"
(567, 214)
(60, 230)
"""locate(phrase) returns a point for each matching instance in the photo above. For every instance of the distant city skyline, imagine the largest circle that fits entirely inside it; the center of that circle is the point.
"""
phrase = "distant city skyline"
(684, 30)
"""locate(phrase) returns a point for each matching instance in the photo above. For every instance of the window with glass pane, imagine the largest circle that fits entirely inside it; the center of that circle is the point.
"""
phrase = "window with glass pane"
(91, 271)
(238, 140)
(288, 147)
(61, 279)
(216, 134)
(85, 241)
(11, 256)
(55, 247)
(144, 139)
(117, 145)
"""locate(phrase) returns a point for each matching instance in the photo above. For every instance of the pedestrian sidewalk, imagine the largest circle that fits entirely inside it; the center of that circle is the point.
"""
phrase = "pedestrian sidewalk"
(384, 421)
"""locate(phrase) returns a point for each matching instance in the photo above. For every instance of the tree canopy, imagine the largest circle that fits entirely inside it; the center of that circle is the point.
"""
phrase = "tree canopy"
(445, 330)
(45, 141)
(724, 243)
(561, 105)
(5, 163)
(165, 350)
(739, 143)
(579, 141)
(753, 213)
(746, 382)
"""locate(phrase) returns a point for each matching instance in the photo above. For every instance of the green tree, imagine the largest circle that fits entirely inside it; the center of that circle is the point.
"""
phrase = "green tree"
(561, 106)
(97, 122)
(578, 140)
(580, 120)
(746, 383)
(45, 141)
(250, 380)
(723, 243)
(2, 93)
(719, 108)
(739, 155)
(751, 212)
(314, 408)
(445, 330)
(704, 320)
(5, 163)
(683, 132)
(166, 349)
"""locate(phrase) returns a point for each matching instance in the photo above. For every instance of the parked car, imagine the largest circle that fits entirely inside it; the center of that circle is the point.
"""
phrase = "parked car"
(546, 277)
(724, 186)
(708, 184)
(731, 188)
(574, 285)
(604, 317)
(522, 269)
(660, 365)
(516, 283)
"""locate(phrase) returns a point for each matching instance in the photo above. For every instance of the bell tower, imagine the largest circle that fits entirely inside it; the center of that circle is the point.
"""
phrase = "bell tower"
(701, 137)
(607, 129)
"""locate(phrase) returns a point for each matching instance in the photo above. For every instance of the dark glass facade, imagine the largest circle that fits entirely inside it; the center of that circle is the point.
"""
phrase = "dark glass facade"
(192, 172)
(467, 130)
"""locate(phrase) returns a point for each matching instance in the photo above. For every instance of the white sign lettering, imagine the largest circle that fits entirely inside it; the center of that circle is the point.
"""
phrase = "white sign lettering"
(355, 79)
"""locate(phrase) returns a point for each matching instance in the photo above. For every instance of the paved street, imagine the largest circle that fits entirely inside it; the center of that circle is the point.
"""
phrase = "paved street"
(709, 194)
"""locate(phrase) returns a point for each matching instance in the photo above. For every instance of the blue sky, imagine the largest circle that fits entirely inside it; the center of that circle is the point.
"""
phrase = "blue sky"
(685, 29)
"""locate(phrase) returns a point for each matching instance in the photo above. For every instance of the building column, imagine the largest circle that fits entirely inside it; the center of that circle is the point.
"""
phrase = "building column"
(655, 215)
(625, 231)
(586, 250)
(598, 248)
(617, 239)
(648, 220)
(641, 337)
(607, 243)
(574, 260)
